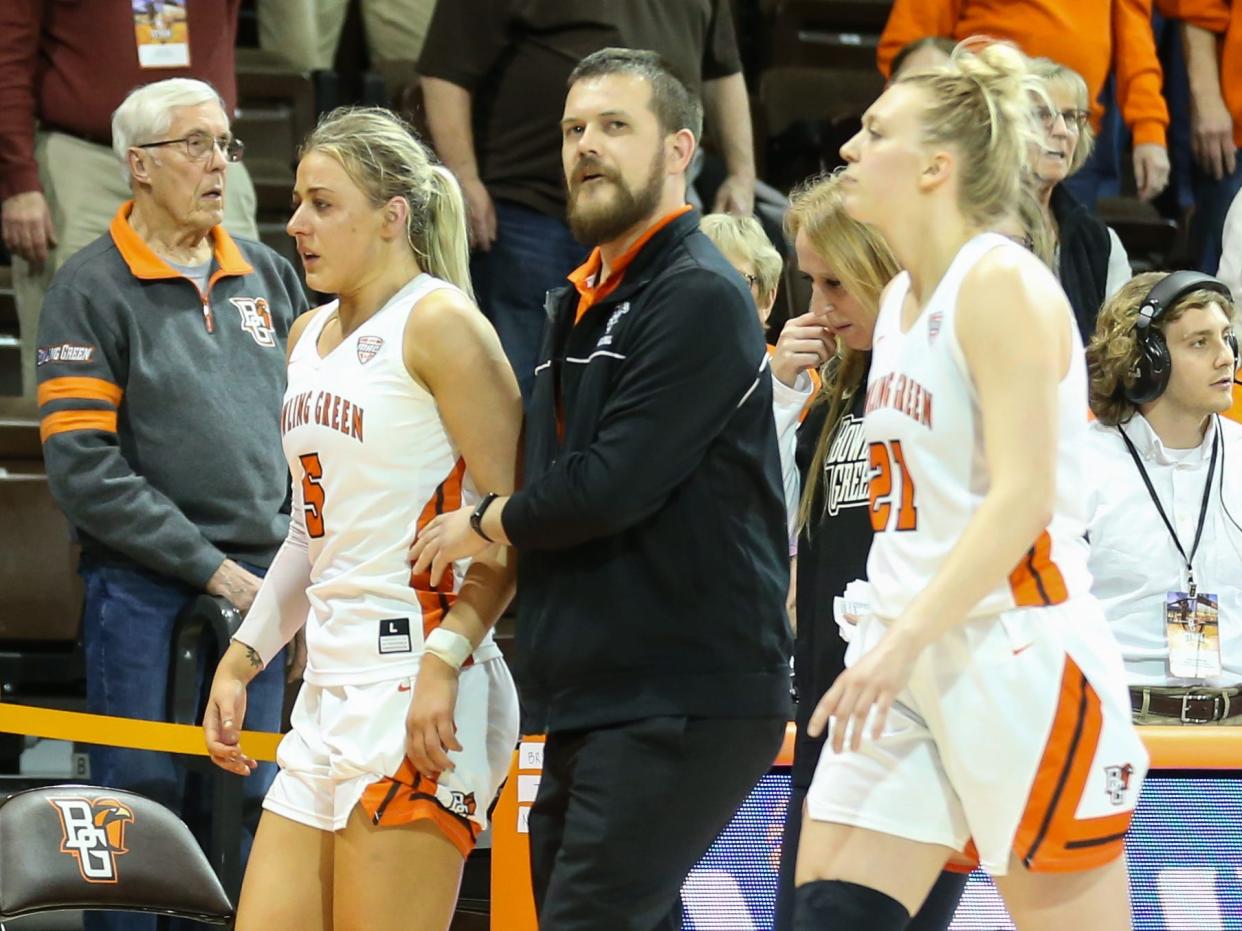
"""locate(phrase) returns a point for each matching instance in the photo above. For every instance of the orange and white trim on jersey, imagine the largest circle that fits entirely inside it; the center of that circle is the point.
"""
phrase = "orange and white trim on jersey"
(1037, 581)
(410, 796)
(435, 600)
(1050, 837)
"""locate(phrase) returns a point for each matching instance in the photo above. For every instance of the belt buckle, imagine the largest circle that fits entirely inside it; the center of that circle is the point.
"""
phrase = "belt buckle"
(1215, 715)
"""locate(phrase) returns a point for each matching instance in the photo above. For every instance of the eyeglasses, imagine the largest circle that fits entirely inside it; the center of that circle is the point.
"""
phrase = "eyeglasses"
(1074, 119)
(751, 280)
(199, 146)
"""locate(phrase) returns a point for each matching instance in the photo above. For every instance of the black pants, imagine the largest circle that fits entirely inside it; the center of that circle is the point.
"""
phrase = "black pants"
(624, 812)
(935, 915)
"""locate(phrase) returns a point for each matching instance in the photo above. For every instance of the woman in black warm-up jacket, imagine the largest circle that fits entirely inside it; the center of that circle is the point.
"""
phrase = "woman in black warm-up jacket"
(847, 265)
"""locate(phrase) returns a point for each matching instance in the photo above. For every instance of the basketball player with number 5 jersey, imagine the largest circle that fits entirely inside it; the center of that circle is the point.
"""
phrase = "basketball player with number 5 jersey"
(399, 398)
(982, 718)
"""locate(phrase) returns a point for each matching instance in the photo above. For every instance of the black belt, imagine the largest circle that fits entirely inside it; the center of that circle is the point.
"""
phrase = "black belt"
(1201, 707)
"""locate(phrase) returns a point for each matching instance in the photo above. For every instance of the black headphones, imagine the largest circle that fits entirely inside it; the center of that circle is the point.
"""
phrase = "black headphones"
(1154, 364)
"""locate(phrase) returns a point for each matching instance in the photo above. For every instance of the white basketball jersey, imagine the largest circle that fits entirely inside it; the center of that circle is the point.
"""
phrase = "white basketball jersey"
(371, 464)
(928, 472)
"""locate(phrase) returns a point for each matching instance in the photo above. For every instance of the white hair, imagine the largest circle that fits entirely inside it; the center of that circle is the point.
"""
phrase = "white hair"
(146, 113)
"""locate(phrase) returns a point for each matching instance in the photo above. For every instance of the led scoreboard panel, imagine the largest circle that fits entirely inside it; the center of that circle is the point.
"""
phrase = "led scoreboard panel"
(1184, 849)
(1184, 853)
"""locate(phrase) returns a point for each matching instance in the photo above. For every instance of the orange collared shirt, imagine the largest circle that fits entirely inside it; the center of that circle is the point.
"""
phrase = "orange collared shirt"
(584, 274)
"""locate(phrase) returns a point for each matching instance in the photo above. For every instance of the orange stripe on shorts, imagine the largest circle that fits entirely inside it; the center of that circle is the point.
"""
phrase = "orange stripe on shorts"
(409, 796)
(1050, 837)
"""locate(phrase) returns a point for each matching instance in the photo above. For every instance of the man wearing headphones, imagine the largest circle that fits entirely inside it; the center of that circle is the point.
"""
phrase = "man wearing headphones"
(1163, 524)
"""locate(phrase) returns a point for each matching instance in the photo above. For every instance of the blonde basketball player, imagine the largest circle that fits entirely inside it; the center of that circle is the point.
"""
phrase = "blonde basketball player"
(983, 716)
(399, 401)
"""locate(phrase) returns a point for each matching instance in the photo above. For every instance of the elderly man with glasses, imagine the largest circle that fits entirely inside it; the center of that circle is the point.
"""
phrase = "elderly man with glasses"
(64, 68)
(161, 367)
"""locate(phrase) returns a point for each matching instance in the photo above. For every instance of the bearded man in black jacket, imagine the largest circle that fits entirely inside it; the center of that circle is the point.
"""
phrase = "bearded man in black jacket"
(650, 529)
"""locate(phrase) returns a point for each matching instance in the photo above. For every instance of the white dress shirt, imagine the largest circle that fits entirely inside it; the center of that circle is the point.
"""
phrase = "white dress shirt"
(787, 407)
(1119, 271)
(1135, 562)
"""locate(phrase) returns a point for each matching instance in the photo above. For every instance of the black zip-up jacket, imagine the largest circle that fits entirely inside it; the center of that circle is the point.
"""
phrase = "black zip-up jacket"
(653, 557)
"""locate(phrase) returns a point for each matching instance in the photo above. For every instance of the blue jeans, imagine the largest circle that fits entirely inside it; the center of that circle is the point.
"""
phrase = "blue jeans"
(533, 253)
(127, 628)
(1211, 198)
(1207, 225)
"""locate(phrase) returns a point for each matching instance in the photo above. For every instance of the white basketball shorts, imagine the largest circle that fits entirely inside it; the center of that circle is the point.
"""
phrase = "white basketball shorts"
(347, 747)
(1013, 735)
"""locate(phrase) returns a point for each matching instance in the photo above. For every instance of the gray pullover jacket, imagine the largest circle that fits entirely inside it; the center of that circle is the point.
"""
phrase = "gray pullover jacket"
(159, 405)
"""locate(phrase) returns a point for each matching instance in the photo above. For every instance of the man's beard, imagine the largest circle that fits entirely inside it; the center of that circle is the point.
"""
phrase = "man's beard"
(607, 220)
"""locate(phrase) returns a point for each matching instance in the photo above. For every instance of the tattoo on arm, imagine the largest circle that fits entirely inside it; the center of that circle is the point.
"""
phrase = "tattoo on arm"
(251, 654)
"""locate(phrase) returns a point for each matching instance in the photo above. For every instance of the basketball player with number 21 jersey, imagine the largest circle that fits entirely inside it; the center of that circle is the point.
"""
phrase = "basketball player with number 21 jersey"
(983, 717)
(398, 399)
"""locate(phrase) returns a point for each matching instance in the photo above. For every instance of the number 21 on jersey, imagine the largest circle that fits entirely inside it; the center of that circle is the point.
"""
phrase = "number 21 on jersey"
(885, 497)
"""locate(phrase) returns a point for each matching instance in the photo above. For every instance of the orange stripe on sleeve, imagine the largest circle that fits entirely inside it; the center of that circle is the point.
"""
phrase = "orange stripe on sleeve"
(80, 388)
(1036, 581)
(66, 421)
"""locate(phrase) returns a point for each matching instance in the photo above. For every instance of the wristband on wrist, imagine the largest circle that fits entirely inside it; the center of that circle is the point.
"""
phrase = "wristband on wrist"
(449, 646)
(476, 519)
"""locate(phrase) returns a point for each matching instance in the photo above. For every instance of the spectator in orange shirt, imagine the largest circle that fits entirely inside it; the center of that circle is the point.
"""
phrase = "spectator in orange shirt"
(1093, 38)
(1212, 40)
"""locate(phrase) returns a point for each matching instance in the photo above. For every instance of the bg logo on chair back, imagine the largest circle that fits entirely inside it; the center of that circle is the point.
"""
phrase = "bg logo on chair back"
(94, 834)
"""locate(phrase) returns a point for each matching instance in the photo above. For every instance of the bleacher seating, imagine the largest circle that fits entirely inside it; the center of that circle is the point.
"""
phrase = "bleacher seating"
(827, 33)
(10, 337)
(40, 592)
(276, 111)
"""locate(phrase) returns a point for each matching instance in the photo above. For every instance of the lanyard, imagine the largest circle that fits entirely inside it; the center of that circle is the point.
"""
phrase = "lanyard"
(1155, 499)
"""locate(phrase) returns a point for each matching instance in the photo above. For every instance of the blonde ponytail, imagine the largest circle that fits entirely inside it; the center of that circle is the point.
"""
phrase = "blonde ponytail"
(445, 247)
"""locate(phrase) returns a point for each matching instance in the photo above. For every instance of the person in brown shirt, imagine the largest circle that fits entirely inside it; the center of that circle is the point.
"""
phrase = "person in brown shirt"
(494, 74)
(64, 68)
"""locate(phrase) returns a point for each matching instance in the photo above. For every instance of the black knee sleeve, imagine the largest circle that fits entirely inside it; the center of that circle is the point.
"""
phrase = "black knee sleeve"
(835, 905)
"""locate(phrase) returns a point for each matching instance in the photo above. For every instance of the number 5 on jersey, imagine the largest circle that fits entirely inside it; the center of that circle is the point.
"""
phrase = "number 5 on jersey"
(884, 497)
(312, 493)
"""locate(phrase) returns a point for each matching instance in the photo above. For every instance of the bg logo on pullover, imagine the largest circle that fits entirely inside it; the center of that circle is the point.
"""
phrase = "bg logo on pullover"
(256, 319)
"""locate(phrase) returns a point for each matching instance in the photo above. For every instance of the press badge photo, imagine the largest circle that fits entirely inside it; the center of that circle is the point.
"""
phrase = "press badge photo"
(1192, 624)
(162, 33)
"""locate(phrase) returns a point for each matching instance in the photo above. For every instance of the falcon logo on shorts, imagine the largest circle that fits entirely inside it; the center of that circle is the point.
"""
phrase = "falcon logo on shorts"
(461, 803)
(367, 347)
(1117, 781)
(94, 834)
(256, 319)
